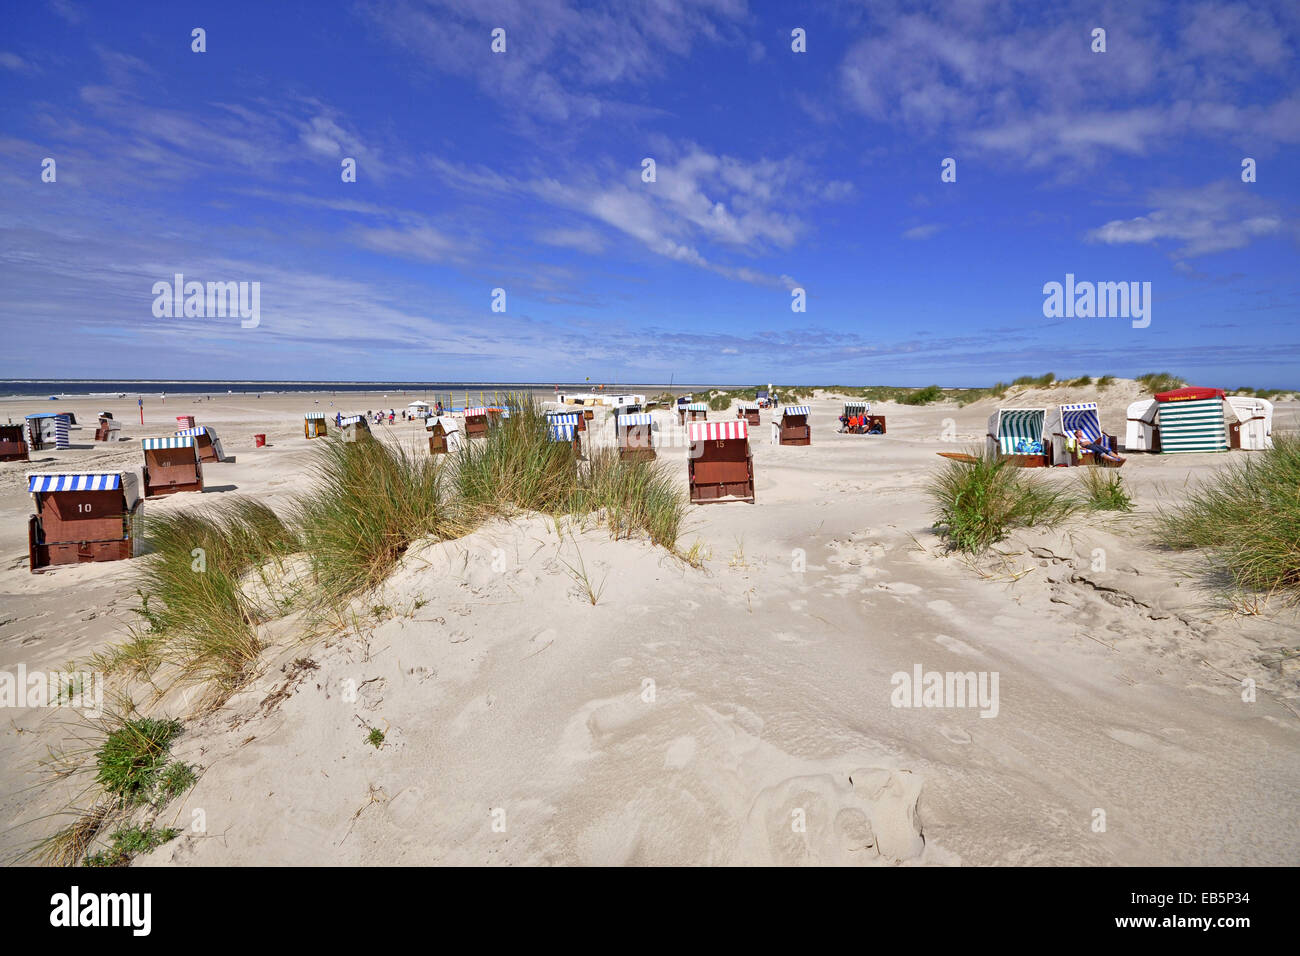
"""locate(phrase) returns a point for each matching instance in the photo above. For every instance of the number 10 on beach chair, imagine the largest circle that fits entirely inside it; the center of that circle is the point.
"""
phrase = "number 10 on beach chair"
(82, 516)
(720, 464)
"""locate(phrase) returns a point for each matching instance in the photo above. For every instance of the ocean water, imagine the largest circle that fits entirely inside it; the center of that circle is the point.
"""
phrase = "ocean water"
(71, 388)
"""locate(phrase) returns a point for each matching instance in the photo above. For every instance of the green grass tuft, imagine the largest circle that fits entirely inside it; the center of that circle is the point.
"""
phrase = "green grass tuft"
(1159, 382)
(1103, 490)
(131, 757)
(979, 503)
(368, 503)
(1247, 518)
(129, 841)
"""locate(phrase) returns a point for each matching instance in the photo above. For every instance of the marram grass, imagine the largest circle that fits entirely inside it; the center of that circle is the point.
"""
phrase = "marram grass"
(1246, 517)
(977, 504)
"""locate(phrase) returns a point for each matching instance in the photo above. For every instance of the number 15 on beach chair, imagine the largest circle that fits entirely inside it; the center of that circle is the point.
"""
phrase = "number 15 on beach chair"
(719, 464)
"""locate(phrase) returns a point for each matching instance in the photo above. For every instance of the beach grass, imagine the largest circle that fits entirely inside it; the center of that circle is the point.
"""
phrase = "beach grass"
(631, 496)
(516, 468)
(68, 845)
(1159, 382)
(190, 585)
(368, 502)
(128, 841)
(132, 756)
(1103, 489)
(978, 503)
(1246, 518)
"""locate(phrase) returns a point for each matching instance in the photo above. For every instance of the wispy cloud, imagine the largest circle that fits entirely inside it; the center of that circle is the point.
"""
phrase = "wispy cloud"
(1213, 218)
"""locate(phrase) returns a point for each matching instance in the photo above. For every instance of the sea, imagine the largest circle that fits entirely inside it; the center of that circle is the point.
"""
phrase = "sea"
(145, 388)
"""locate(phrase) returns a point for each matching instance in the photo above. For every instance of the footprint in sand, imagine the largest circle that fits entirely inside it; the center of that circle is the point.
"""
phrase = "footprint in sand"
(954, 735)
(866, 817)
(898, 587)
(956, 646)
(680, 752)
(1148, 744)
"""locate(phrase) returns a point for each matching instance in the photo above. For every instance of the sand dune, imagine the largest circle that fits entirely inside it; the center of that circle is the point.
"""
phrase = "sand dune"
(743, 712)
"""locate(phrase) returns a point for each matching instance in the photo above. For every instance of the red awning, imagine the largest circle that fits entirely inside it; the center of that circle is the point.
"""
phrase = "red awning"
(1189, 394)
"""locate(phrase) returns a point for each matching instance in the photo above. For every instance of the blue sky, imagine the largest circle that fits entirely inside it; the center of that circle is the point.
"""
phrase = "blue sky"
(774, 170)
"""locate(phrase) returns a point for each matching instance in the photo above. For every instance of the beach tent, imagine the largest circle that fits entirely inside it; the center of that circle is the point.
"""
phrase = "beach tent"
(476, 422)
(82, 516)
(719, 462)
(1182, 420)
(444, 435)
(13, 443)
(1063, 421)
(420, 409)
(575, 419)
(1020, 433)
(749, 412)
(354, 427)
(314, 425)
(206, 441)
(1250, 426)
(636, 436)
(790, 425)
(565, 432)
(171, 465)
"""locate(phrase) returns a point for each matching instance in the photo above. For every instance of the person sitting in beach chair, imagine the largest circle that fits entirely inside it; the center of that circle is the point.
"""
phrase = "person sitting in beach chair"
(844, 423)
(876, 429)
(1100, 447)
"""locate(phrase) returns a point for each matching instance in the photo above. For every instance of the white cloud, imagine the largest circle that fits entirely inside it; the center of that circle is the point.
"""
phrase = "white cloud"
(1213, 218)
(923, 232)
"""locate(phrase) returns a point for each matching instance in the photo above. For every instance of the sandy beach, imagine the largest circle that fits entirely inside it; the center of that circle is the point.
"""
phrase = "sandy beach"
(692, 713)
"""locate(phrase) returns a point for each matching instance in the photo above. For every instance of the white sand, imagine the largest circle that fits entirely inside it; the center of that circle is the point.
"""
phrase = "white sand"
(505, 695)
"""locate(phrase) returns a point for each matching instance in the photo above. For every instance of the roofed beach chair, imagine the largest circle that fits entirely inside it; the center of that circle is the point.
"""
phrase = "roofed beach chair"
(1020, 433)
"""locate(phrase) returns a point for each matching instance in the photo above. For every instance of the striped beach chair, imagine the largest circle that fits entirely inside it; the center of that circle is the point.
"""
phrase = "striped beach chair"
(720, 464)
(565, 432)
(1192, 420)
(577, 419)
(82, 516)
(1080, 416)
(313, 425)
(171, 465)
(635, 436)
(354, 427)
(207, 442)
(476, 422)
(692, 412)
(790, 425)
(1020, 433)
